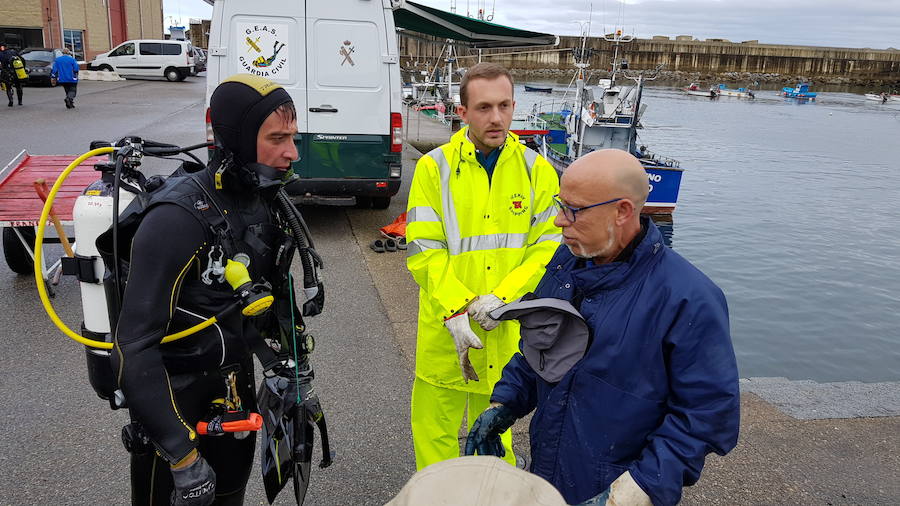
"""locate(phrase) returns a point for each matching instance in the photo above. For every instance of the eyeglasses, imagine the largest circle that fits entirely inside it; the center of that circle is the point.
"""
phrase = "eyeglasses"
(569, 212)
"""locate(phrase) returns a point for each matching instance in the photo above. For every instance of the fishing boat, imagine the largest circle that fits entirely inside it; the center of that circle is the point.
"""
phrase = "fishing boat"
(605, 115)
(725, 91)
(800, 92)
(538, 89)
(878, 97)
(696, 90)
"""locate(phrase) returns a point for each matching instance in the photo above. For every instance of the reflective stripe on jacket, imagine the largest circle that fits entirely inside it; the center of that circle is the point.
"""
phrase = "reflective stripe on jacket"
(470, 236)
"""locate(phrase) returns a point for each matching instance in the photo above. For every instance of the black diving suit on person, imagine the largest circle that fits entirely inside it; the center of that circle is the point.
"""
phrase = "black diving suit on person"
(174, 241)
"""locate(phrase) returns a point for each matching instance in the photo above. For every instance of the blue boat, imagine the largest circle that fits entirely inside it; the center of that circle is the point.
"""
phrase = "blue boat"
(538, 89)
(801, 92)
(606, 115)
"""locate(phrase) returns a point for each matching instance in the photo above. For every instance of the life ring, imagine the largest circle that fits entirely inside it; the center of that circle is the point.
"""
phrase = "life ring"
(592, 112)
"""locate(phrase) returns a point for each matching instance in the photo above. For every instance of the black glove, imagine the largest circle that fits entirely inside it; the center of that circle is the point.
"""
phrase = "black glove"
(484, 438)
(195, 484)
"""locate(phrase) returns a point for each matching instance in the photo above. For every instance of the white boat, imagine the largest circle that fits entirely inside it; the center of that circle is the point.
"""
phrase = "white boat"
(605, 115)
(695, 90)
(725, 91)
(881, 97)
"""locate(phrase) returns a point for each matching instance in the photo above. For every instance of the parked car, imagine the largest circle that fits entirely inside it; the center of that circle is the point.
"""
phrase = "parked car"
(172, 59)
(38, 62)
(200, 58)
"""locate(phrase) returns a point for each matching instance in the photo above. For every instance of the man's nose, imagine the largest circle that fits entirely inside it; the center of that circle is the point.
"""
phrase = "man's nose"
(496, 117)
(291, 152)
(561, 220)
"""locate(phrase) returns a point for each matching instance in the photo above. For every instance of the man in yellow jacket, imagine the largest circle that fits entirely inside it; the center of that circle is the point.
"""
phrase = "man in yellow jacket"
(480, 232)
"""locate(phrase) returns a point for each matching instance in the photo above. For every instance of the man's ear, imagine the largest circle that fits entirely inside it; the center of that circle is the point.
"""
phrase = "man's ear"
(624, 211)
(461, 112)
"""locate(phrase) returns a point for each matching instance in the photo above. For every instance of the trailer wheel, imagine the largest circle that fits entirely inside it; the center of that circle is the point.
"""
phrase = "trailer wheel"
(17, 257)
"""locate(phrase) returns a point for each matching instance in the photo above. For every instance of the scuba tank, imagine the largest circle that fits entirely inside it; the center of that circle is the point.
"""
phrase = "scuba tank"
(19, 68)
(93, 215)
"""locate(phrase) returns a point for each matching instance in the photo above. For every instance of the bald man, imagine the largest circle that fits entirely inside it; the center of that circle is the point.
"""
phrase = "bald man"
(631, 422)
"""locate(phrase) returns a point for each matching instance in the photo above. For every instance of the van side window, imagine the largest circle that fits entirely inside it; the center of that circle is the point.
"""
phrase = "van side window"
(151, 48)
(124, 50)
(171, 48)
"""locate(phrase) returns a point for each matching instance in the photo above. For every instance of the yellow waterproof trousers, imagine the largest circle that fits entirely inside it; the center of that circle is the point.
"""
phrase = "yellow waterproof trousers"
(436, 416)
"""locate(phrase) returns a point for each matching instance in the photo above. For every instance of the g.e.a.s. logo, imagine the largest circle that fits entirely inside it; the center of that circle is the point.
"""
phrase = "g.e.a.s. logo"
(263, 50)
(517, 204)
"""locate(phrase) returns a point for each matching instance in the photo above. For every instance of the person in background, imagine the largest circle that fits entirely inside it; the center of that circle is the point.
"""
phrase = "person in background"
(480, 231)
(8, 75)
(656, 390)
(65, 70)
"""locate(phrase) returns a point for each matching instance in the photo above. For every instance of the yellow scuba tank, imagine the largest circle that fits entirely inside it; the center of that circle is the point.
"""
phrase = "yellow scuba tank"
(19, 67)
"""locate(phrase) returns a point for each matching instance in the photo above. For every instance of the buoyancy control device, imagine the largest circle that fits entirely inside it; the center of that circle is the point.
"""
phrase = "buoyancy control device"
(97, 211)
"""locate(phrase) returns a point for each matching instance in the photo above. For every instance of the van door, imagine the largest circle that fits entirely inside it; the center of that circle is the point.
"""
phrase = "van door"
(150, 58)
(124, 59)
(266, 38)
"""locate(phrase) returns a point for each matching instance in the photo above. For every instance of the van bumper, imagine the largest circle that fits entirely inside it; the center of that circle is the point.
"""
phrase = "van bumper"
(338, 187)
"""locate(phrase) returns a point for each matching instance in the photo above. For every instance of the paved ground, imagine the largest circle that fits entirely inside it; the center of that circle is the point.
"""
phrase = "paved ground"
(61, 443)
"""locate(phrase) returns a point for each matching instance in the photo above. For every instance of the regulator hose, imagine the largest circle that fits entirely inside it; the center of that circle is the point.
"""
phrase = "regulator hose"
(313, 288)
(39, 274)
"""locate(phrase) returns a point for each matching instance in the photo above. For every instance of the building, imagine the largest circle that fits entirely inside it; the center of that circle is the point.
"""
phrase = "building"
(199, 32)
(87, 27)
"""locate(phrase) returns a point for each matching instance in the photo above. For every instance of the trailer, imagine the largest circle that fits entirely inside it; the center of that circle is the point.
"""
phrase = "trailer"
(22, 183)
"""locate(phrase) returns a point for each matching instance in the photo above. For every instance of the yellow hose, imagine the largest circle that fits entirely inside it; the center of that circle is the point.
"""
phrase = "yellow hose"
(39, 274)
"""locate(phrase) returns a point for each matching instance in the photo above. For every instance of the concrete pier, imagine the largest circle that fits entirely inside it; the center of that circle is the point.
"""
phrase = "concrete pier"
(801, 442)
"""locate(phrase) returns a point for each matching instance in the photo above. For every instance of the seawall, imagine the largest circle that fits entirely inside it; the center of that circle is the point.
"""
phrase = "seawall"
(684, 59)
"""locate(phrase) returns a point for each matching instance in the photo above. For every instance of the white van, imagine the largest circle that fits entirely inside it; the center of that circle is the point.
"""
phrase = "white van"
(338, 60)
(172, 59)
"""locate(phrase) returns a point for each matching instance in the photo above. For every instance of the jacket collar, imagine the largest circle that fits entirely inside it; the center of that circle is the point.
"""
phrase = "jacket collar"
(460, 141)
(592, 277)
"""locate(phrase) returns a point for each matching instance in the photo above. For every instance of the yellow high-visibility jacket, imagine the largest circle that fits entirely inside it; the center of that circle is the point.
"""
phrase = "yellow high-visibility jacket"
(469, 236)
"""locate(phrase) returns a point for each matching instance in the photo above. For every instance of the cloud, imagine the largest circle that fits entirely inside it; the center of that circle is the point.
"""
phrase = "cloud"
(861, 23)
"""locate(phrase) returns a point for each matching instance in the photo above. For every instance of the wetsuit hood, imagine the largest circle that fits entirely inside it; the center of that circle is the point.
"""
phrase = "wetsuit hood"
(238, 107)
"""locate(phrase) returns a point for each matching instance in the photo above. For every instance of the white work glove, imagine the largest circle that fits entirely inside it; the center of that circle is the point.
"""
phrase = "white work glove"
(626, 492)
(462, 334)
(480, 310)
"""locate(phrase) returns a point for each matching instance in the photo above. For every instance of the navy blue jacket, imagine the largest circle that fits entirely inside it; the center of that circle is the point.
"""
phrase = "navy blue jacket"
(657, 389)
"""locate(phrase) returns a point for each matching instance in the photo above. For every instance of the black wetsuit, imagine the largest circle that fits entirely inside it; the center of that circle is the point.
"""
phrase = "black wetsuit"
(169, 387)
(8, 75)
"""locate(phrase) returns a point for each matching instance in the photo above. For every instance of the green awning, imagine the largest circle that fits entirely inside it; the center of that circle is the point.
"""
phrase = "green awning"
(479, 34)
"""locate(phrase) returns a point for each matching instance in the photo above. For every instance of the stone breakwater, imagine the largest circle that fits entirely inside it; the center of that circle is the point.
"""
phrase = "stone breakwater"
(742, 78)
(682, 60)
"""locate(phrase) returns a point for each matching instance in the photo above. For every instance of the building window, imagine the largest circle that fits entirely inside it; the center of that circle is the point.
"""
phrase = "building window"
(20, 38)
(74, 40)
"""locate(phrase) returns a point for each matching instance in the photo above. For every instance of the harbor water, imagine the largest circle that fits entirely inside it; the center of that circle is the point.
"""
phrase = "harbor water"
(793, 209)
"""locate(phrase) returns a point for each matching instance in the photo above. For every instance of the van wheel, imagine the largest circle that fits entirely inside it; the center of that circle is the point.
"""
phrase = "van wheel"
(105, 68)
(172, 74)
(381, 202)
(17, 257)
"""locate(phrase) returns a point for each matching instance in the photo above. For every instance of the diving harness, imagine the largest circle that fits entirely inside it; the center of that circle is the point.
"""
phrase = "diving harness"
(98, 210)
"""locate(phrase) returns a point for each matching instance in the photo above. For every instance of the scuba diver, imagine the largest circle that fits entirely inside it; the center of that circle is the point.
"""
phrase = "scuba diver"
(12, 72)
(176, 243)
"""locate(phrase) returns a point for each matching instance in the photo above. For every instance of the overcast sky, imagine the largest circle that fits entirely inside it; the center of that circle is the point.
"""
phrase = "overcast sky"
(842, 23)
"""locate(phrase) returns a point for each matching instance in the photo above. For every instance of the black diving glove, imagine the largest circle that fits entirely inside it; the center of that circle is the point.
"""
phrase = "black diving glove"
(195, 484)
(484, 438)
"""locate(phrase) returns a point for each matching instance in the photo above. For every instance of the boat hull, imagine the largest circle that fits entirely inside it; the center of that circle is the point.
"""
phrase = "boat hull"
(701, 93)
(664, 184)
